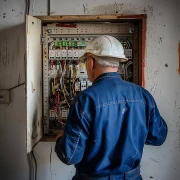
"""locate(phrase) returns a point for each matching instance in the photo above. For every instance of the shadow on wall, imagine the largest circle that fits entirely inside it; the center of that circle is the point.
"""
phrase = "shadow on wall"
(12, 56)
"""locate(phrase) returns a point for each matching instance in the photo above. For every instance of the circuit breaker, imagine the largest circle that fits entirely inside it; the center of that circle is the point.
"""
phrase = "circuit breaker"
(64, 75)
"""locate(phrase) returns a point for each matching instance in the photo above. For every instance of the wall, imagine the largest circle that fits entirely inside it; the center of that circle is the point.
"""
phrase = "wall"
(162, 80)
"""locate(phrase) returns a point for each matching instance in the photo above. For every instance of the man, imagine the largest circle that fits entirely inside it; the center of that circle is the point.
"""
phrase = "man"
(109, 123)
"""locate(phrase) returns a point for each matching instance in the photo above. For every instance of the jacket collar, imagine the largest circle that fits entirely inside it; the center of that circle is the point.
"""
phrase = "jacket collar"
(107, 75)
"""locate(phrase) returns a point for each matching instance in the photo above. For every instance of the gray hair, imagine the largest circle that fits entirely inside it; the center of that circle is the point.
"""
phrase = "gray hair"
(106, 61)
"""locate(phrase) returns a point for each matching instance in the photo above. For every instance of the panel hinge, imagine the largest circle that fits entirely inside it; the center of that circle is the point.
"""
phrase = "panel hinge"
(43, 39)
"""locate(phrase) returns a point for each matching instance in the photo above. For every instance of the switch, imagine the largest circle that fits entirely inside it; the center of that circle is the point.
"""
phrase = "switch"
(83, 85)
(64, 114)
(51, 54)
(77, 86)
(58, 54)
(64, 54)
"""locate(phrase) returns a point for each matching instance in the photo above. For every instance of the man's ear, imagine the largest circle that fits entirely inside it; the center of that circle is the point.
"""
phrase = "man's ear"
(92, 63)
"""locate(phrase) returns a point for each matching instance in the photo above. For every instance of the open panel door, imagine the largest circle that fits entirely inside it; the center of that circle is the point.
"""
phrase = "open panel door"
(33, 81)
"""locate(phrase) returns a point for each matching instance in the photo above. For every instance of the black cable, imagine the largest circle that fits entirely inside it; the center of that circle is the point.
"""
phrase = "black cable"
(126, 69)
(49, 8)
(29, 158)
(17, 86)
(35, 165)
(27, 6)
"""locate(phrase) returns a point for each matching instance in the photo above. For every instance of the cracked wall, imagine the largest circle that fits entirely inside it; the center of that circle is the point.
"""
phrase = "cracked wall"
(162, 80)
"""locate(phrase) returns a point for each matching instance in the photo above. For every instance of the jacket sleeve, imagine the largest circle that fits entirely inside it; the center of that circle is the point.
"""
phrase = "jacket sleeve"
(71, 147)
(157, 130)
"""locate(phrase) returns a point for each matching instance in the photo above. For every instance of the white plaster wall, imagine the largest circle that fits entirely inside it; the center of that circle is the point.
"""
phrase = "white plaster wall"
(163, 27)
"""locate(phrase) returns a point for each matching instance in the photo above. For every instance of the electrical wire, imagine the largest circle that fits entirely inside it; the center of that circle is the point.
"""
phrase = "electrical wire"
(49, 8)
(31, 168)
(126, 70)
(17, 86)
(62, 75)
(65, 99)
(59, 118)
(63, 88)
(35, 164)
(73, 82)
(27, 6)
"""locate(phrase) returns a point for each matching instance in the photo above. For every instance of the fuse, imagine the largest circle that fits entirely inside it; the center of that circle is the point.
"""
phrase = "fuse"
(58, 54)
(76, 53)
(83, 85)
(73, 44)
(56, 43)
(81, 52)
(70, 44)
(70, 54)
(64, 54)
(51, 54)
(60, 44)
(64, 44)
(77, 86)
(64, 114)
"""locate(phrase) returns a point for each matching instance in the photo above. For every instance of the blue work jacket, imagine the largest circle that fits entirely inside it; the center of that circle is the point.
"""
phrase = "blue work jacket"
(108, 125)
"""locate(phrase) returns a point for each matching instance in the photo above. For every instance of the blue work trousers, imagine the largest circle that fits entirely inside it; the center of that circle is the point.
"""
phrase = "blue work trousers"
(131, 175)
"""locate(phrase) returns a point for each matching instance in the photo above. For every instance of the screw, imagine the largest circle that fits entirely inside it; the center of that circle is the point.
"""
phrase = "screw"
(131, 30)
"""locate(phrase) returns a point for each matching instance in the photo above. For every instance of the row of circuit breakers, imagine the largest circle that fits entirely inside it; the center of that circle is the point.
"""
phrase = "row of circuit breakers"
(67, 75)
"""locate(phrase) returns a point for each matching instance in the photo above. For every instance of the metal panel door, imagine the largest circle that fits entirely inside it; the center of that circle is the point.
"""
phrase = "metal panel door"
(33, 81)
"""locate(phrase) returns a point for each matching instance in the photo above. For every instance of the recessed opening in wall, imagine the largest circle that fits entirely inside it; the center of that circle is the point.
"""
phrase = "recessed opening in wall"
(65, 40)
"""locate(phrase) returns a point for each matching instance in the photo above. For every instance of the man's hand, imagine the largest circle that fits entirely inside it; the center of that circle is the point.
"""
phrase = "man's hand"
(59, 135)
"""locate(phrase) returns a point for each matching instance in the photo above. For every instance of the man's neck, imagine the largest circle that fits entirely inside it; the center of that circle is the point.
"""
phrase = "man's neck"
(102, 71)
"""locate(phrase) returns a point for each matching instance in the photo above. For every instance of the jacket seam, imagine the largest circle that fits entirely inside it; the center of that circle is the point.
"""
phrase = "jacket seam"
(83, 113)
(119, 102)
(75, 147)
(159, 129)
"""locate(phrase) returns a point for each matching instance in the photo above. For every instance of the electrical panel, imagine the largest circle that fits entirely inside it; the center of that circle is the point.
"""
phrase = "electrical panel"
(64, 75)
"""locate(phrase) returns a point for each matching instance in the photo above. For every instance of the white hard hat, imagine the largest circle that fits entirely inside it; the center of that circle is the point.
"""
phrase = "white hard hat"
(106, 46)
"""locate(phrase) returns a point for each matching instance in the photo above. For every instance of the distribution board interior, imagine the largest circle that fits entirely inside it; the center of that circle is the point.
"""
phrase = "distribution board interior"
(65, 75)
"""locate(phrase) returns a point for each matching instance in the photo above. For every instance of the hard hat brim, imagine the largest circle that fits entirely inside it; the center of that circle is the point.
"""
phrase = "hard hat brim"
(121, 59)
